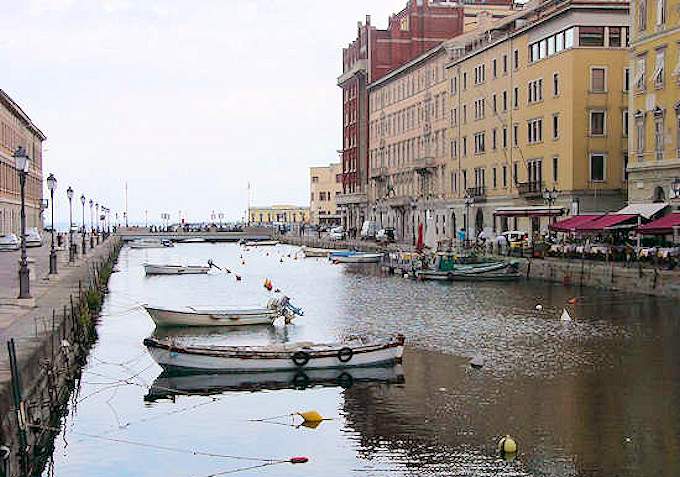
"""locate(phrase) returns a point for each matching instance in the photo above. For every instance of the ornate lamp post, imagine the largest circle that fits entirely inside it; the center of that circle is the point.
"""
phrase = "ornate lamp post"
(96, 207)
(82, 232)
(468, 200)
(52, 186)
(91, 224)
(550, 197)
(72, 249)
(675, 188)
(22, 162)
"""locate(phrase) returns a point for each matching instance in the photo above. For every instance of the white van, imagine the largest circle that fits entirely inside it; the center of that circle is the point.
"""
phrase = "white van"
(369, 229)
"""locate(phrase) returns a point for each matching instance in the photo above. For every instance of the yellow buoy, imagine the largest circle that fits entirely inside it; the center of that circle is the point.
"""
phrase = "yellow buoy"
(507, 445)
(311, 416)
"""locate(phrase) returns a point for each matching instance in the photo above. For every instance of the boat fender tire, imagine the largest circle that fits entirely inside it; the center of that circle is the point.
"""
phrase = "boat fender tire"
(300, 358)
(345, 380)
(345, 354)
(300, 380)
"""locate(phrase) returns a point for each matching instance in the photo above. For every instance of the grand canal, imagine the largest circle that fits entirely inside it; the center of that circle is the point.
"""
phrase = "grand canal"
(594, 397)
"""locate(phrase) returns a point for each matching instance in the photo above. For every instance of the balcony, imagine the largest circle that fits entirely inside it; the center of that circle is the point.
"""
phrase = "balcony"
(424, 164)
(530, 190)
(478, 193)
(351, 199)
(379, 173)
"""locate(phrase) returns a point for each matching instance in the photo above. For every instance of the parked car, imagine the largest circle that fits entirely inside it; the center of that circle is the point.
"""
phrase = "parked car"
(336, 233)
(368, 230)
(385, 235)
(33, 238)
(9, 242)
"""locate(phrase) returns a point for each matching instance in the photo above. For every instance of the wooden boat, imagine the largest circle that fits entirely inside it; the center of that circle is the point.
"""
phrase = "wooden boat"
(261, 243)
(461, 271)
(318, 252)
(170, 384)
(241, 316)
(147, 243)
(357, 257)
(274, 357)
(151, 269)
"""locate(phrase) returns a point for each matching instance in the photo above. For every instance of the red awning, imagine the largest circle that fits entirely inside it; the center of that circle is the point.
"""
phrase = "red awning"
(605, 222)
(661, 226)
(570, 224)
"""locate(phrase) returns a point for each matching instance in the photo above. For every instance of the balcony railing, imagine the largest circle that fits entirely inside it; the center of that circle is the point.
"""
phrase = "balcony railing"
(531, 188)
(378, 173)
(478, 193)
(424, 164)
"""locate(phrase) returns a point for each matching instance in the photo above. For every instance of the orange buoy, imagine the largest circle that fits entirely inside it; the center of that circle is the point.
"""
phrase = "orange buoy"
(573, 300)
(299, 460)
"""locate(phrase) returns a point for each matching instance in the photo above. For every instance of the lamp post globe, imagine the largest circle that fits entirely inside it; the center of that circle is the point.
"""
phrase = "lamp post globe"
(468, 200)
(22, 165)
(71, 245)
(52, 186)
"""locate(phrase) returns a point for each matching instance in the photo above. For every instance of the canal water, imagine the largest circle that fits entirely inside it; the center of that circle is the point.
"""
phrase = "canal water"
(597, 396)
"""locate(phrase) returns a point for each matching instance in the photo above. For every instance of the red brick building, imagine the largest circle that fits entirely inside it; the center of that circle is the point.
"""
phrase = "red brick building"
(422, 25)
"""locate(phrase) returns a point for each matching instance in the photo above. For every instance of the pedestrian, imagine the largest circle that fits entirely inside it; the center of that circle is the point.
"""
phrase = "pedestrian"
(502, 244)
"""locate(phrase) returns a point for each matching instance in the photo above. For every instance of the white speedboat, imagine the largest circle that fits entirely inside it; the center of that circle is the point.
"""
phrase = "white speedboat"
(358, 257)
(235, 316)
(170, 384)
(274, 357)
(318, 252)
(152, 269)
(147, 243)
(261, 243)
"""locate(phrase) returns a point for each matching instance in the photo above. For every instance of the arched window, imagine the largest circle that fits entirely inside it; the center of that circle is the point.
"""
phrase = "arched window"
(659, 195)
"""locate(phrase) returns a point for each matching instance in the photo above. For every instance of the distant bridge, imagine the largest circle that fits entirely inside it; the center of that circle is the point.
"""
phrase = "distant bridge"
(249, 233)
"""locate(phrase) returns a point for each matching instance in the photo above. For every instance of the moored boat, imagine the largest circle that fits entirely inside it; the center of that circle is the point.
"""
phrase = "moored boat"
(357, 257)
(153, 269)
(147, 243)
(170, 384)
(460, 271)
(274, 357)
(318, 252)
(261, 243)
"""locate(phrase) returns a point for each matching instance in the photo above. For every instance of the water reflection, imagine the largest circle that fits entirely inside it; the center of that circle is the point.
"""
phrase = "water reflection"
(596, 397)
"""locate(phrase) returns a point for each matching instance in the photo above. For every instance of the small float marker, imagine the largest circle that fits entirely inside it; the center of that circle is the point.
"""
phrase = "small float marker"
(507, 446)
(565, 315)
(299, 460)
(539, 307)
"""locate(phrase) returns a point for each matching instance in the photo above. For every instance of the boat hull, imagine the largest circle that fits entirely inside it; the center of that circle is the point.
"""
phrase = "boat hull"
(261, 243)
(175, 269)
(244, 317)
(248, 359)
(464, 271)
(359, 258)
(317, 252)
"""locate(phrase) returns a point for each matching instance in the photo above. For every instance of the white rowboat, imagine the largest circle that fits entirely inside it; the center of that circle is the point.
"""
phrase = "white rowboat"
(261, 243)
(275, 357)
(150, 243)
(151, 269)
(317, 252)
(213, 317)
(358, 258)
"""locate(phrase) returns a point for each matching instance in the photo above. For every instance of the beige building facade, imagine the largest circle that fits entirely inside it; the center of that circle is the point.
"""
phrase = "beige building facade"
(278, 214)
(325, 185)
(534, 101)
(654, 164)
(17, 129)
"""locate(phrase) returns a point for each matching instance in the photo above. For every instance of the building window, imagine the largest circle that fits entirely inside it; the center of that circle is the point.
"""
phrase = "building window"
(642, 15)
(515, 59)
(597, 123)
(614, 37)
(480, 107)
(464, 146)
(494, 106)
(494, 68)
(505, 137)
(624, 122)
(315, 179)
(535, 172)
(626, 80)
(555, 126)
(454, 85)
(515, 175)
(659, 67)
(480, 147)
(480, 74)
(555, 168)
(515, 135)
(505, 176)
(598, 80)
(659, 134)
(591, 36)
(505, 101)
(598, 164)
(494, 139)
(551, 45)
(535, 131)
(660, 12)
(640, 66)
(640, 134)
(556, 84)
(536, 91)
(464, 81)
(495, 177)
(505, 64)
(515, 97)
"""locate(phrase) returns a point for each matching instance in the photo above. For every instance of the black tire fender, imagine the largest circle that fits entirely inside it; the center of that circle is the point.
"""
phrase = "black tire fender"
(345, 354)
(300, 358)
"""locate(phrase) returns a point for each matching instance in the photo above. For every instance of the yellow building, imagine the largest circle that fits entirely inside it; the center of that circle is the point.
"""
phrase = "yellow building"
(278, 214)
(325, 184)
(538, 102)
(654, 161)
(481, 126)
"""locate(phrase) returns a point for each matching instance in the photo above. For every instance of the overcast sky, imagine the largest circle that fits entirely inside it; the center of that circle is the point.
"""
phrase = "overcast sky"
(186, 100)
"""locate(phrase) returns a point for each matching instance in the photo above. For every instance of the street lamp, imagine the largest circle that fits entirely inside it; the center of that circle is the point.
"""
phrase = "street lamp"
(96, 206)
(72, 250)
(550, 197)
(91, 224)
(675, 188)
(52, 186)
(22, 161)
(468, 200)
(82, 231)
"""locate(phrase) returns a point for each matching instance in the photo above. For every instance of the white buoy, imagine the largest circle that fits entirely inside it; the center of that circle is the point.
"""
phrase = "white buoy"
(565, 315)
(539, 307)
(477, 362)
